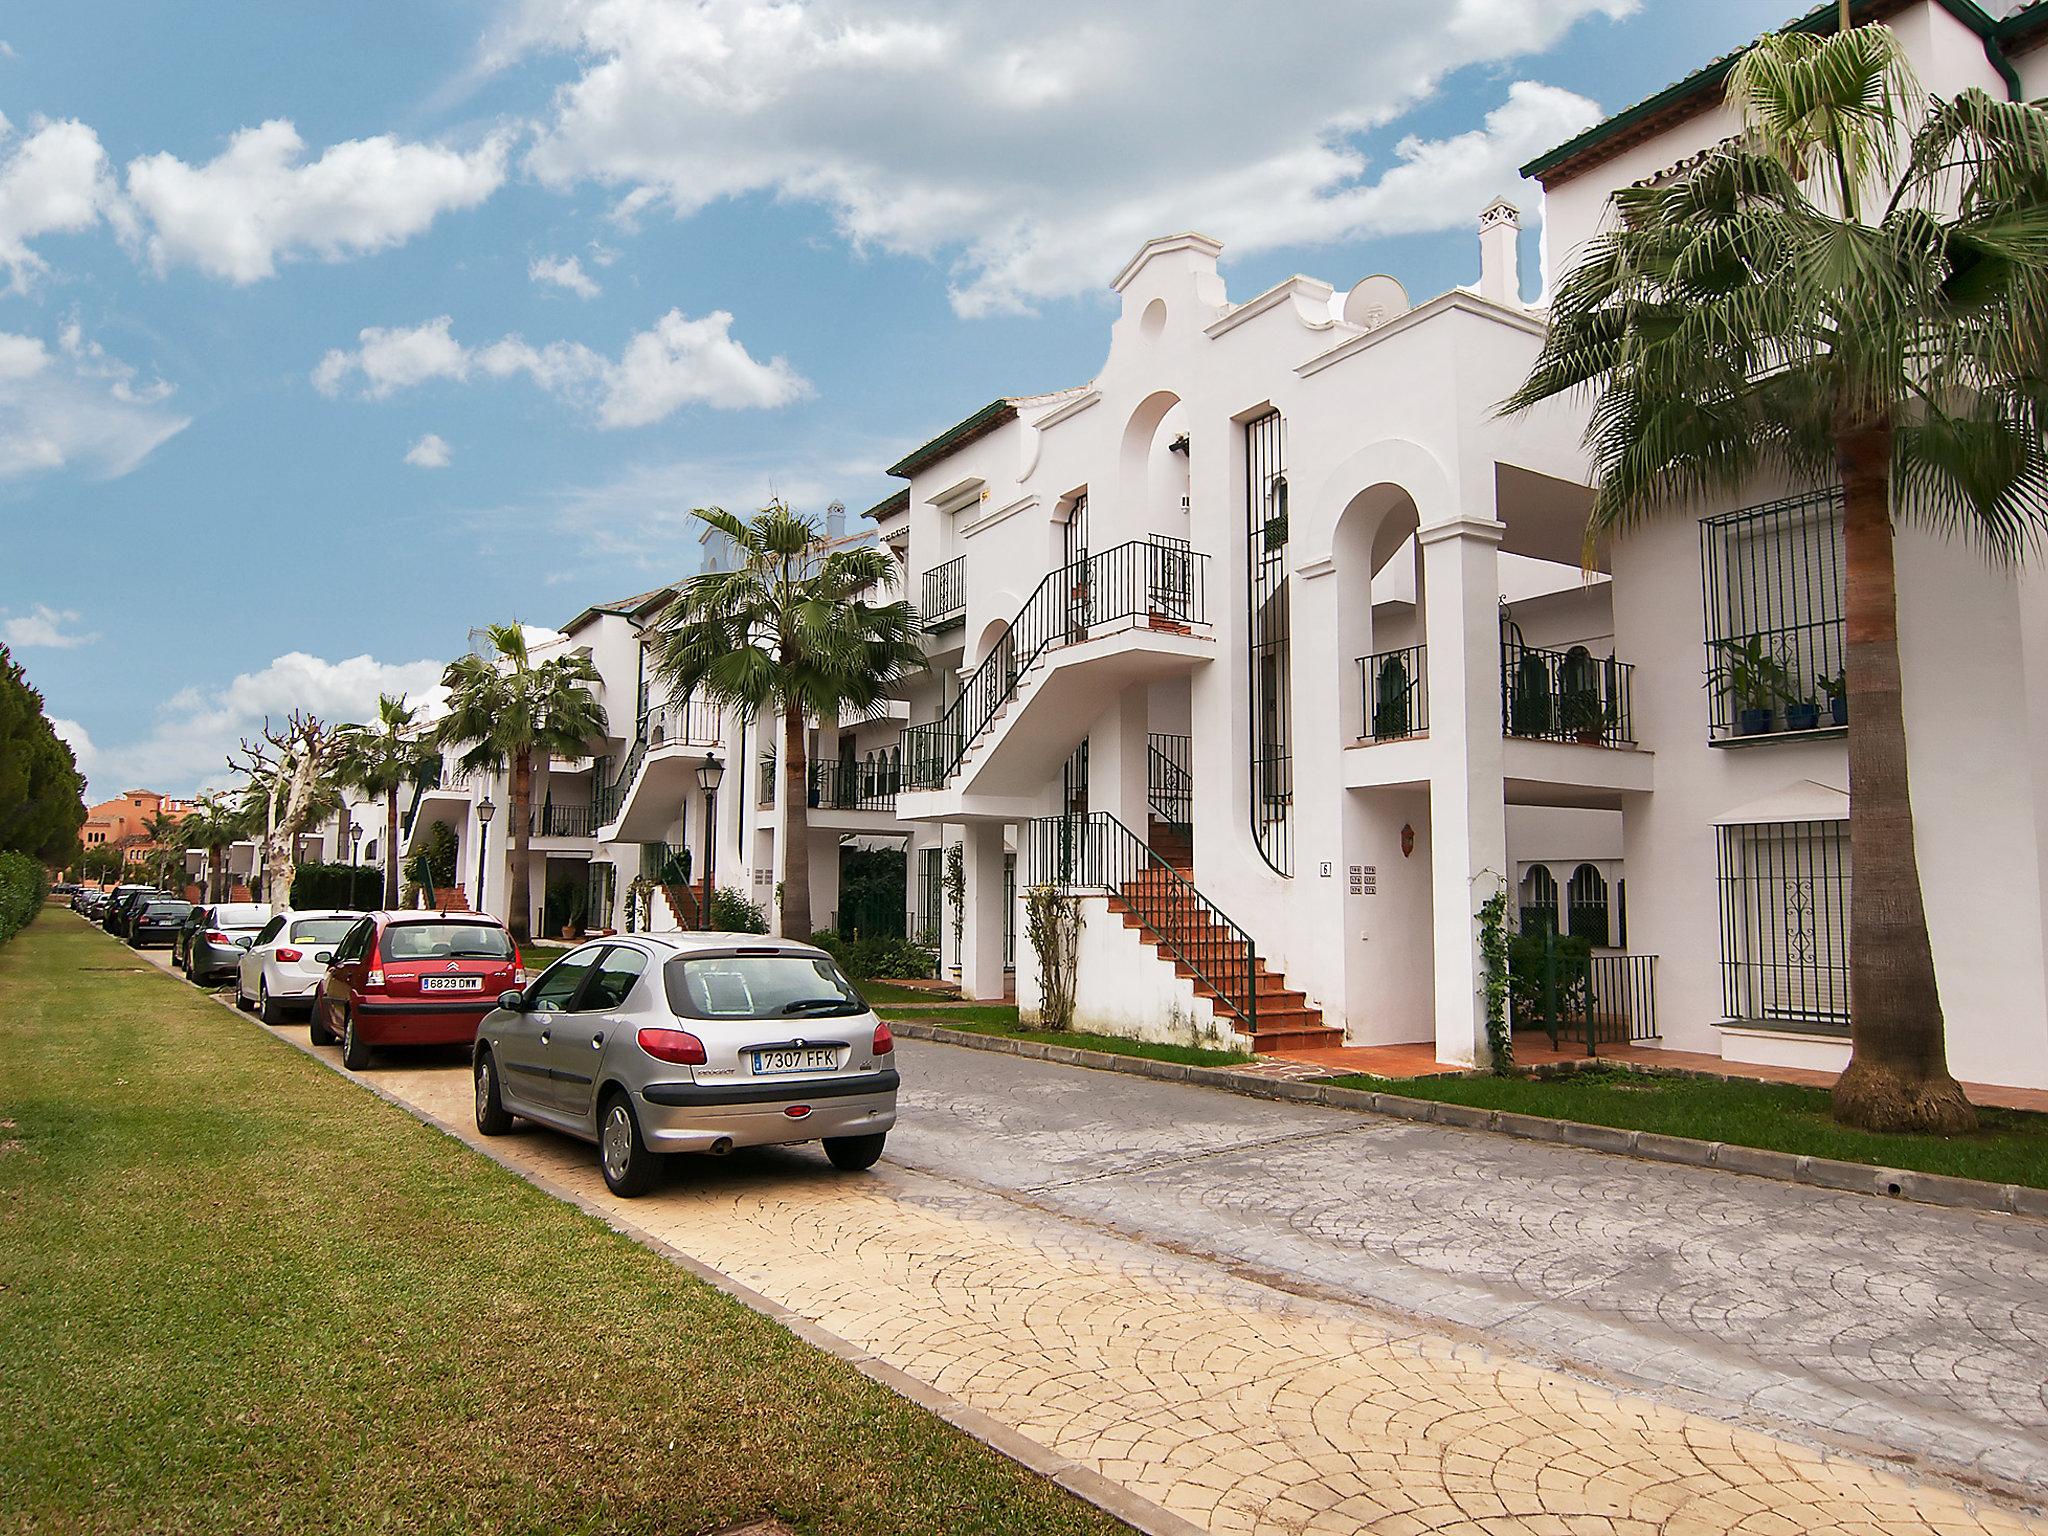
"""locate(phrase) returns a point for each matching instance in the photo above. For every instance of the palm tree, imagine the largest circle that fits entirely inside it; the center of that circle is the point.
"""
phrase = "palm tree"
(789, 630)
(167, 841)
(381, 759)
(213, 827)
(1855, 292)
(506, 710)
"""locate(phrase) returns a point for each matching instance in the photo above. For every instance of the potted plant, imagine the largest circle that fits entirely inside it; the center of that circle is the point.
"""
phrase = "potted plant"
(1390, 716)
(1580, 713)
(1801, 714)
(1836, 689)
(1753, 679)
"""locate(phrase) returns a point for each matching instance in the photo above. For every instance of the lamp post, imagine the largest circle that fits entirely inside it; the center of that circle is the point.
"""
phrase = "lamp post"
(709, 772)
(355, 842)
(485, 810)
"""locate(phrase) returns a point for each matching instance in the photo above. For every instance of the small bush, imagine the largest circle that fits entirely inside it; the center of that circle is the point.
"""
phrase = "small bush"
(733, 913)
(869, 959)
(1525, 975)
(23, 887)
(346, 887)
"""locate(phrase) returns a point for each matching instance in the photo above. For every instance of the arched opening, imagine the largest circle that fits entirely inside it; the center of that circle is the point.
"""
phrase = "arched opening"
(1381, 640)
(1539, 901)
(1586, 914)
(1154, 466)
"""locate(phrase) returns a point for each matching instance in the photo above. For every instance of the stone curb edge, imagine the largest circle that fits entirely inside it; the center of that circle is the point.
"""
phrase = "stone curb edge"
(1786, 1167)
(1091, 1487)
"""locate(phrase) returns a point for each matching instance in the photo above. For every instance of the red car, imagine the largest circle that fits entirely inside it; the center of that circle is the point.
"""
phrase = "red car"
(412, 978)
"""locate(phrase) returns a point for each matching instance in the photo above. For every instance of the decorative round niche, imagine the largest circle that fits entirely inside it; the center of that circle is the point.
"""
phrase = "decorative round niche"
(1153, 322)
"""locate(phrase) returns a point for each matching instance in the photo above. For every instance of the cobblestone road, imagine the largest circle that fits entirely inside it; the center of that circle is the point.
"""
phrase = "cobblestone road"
(1276, 1320)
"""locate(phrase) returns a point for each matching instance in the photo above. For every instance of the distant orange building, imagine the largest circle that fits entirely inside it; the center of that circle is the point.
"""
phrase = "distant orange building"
(123, 821)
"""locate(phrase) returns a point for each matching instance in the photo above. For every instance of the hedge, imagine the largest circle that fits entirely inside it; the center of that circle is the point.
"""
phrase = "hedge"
(347, 887)
(23, 888)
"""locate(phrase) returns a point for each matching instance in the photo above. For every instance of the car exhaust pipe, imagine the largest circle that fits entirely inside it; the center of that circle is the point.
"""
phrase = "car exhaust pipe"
(721, 1146)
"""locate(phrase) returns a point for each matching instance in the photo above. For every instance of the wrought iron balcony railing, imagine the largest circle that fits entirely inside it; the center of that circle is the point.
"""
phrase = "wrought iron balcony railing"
(867, 785)
(1565, 695)
(1395, 689)
(945, 594)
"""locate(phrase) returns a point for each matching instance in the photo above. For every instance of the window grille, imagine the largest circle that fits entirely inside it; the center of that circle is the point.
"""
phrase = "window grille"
(1772, 580)
(1785, 924)
(1267, 631)
(931, 893)
(1587, 915)
(1009, 911)
(1539, 901)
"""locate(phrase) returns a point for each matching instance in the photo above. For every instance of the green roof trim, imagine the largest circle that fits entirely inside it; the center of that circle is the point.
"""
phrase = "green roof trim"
(1681, 100)
(995, 414)
(890, 505)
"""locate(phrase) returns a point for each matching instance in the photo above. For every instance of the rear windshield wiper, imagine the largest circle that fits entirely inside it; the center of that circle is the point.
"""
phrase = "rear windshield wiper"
(476, 954)
(806, 1004)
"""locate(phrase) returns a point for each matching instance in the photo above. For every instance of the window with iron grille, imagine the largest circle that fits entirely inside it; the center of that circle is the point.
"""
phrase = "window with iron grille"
(1773, 578)
(931, 893)
(1009, 911)
(1785, 924)
(1267, 631)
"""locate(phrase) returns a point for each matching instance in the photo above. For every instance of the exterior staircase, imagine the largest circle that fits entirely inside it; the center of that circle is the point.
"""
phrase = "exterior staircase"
(1149, 884)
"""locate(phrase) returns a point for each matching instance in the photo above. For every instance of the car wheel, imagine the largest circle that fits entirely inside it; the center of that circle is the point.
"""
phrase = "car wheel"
(241, 997)
(622, 1157)
(492, 1118)
(853, 1153)
(355, 1050)
(268, 1008)
(317, 1028)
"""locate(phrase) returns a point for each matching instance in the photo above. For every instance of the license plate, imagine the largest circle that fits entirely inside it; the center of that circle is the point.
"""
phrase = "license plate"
(807, 1059)
(451, 984)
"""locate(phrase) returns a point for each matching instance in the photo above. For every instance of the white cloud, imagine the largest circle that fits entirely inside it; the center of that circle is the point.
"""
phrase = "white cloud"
(44, 626)
(565, 272)
(677, 362)
(188, 744)
(430, 452)
(1032, 150)
(78, 408)
(261, 201)
(57, 180)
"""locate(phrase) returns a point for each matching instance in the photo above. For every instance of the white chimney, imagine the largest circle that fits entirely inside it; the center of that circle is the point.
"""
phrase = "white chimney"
(1500, 240)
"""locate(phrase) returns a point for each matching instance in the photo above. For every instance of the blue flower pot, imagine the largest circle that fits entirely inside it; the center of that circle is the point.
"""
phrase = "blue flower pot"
(1753, 722)
(1801, 717)
(1839, 709)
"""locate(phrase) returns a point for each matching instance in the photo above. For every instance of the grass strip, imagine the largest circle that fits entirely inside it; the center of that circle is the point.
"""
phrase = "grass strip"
(988, 1019)
(237, 1293)
(2010, 1146)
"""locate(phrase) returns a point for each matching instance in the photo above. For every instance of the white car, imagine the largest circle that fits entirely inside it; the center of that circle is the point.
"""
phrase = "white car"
(284, 962)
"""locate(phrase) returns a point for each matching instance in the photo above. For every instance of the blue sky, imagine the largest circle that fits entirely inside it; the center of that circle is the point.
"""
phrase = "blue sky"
(298, 381)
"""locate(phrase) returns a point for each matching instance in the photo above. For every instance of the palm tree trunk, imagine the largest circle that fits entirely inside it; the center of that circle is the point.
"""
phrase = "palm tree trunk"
(391, 848)
(520, 919)
(796, 827)
(1898, 1077)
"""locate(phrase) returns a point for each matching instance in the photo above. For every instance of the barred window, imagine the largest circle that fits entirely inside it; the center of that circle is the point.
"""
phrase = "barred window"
(1785, 924)
(1773, 578)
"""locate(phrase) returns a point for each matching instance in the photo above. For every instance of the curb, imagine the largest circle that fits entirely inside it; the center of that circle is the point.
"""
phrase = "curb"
(1084, 1483)
(1786, 1167)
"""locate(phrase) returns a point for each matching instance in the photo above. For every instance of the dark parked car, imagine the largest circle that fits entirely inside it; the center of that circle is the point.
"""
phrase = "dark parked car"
(411, 978)
(126, 899)
(209, 944)
(156, 922)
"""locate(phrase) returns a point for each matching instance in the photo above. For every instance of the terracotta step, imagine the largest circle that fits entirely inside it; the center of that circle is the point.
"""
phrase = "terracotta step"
(1265, 1042)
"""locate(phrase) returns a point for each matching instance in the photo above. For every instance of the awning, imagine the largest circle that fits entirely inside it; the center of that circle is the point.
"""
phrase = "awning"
(1800, 800)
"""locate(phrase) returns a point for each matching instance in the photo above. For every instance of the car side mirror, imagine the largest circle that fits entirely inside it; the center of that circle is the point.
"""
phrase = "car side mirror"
(325, 957)
(245, 943)
(513, 1001)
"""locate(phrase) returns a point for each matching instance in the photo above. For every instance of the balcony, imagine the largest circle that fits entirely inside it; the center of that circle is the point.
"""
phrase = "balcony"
(1394, 686)
(868, 785)
(563, 821)
(1565, 696)
(644, 798)
(945, 594)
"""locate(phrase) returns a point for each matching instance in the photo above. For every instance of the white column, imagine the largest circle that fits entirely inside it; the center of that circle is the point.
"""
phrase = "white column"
(1117, 775)
(981, 934)
(1468, 814)
(824, 879)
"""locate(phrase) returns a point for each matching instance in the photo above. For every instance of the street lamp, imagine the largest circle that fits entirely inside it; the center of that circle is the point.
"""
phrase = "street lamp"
(355, 842)
(709, 772)
(485, 810)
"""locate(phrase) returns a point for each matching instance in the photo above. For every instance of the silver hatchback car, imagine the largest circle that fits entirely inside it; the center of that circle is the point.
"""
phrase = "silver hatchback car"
(700, 1042)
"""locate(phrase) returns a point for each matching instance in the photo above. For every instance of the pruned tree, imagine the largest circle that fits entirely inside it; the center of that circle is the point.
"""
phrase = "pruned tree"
(291, 769)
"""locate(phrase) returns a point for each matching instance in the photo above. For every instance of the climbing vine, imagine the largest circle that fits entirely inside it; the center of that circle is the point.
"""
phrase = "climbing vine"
(956, 894)
(1493, 957)
(1053, 925)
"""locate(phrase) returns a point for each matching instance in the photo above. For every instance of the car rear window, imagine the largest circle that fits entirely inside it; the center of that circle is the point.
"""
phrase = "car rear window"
(447, 941)
(169, 908)
(321, 930)
(241, 915)
(778, 986)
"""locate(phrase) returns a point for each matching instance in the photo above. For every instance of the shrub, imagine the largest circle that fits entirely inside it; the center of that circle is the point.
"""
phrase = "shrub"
(869, 959)
(733, 913)
(1573, 969)
(23, 887)
(349, 887)
(435, 864)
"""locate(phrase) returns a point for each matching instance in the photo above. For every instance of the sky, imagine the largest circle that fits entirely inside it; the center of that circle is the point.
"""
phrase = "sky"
(331, 330)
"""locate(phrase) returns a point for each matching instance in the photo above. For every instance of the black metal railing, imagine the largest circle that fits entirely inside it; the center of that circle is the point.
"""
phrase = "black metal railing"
(1581, 997)
(1785, 924)
(1565, 695)
(867, 785)
(1093, 851)
(564, 821)
(654, 859)
(693, 722)
(766, 793)
(945, 594)
(1394, 687)
(1157, 582)
(1773, 588)
(1169, 780)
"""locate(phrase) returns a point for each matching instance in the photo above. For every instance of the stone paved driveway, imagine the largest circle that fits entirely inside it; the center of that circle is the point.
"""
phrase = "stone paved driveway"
(1043, 1244)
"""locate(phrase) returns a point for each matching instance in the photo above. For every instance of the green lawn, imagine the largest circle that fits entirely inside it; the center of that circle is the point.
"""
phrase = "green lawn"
(238, 1293)
(2010, 1148)
(896, 992)
(988, 1019)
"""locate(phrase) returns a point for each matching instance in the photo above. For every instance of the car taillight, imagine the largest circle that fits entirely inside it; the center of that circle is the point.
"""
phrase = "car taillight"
(287, 954)
(676, 1045)
(374, 979)
(214, 936)
(884, 1041)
